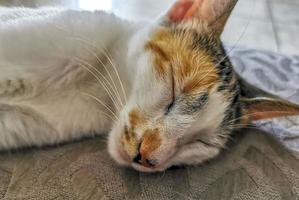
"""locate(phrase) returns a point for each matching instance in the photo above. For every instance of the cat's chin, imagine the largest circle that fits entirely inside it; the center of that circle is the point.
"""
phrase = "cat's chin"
(119, 158)
(141, 168)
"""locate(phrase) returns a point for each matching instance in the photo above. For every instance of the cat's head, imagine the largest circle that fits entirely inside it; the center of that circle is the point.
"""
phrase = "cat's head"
(186, 100)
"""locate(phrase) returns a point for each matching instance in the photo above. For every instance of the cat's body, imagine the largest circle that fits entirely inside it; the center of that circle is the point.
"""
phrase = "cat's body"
(167, 89)
(42, 80)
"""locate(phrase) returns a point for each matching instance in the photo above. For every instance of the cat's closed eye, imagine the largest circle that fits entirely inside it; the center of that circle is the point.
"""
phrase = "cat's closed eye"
(173, 95)
(169, 107)
(193, 104)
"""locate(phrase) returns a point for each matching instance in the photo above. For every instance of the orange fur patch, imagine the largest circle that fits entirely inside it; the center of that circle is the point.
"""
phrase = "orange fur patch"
(192, 68)
(136, 117)
(151, 141)
(129, 140)
(268, 109)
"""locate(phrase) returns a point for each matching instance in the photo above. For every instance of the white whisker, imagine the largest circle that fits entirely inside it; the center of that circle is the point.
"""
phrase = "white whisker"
(103, 85)
(98, 72)
(100, 102)
(109, 74)
(104, 50)
(117, 74)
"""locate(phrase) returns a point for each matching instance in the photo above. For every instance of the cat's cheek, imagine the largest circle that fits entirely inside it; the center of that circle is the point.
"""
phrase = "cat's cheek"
(116, 152)
(116, 156)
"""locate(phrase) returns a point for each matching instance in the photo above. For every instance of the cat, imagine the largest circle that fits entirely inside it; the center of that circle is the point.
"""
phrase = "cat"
(165, 91)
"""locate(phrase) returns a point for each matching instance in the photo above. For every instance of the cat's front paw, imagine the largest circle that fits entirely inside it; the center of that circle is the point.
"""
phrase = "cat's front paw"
(13, 87)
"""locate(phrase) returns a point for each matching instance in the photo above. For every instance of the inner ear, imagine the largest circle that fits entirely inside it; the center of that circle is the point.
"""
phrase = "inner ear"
(267, 108)
(183, 10)
(261, 105)
(214, 12)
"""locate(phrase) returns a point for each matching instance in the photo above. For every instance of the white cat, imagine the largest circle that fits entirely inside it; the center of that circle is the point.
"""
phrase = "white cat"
(166, 89)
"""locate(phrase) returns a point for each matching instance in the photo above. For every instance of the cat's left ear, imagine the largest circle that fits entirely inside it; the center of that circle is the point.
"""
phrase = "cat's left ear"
(258, 104)
(214, 12)
(262, 108)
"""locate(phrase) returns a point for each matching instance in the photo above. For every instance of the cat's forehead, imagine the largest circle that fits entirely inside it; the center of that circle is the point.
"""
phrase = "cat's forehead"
(184, 52)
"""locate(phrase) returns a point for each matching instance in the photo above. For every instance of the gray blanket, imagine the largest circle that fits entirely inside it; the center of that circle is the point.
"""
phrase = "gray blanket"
(256, 164)
(279, 75)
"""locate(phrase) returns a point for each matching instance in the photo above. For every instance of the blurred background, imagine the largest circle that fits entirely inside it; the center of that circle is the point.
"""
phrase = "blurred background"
(260, 24)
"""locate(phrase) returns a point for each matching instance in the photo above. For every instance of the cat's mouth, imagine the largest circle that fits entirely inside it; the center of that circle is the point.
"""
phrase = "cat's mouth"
(156, 164)
(159, 164)
(149, 165)
(148, 169)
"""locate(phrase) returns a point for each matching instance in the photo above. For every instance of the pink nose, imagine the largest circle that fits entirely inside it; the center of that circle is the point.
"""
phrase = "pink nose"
(142, 160)
(151, 141)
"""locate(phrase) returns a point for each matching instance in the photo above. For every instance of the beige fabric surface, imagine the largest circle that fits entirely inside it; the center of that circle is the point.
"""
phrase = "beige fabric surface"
(255, 166)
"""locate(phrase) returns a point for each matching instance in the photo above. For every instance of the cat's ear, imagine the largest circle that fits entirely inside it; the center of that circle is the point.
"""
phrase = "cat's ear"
(262, 108)
(261, 105)
(214, 12)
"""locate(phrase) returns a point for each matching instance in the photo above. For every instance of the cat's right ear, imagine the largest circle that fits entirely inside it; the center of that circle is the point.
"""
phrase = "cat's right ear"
(213, 12)
(261, 105)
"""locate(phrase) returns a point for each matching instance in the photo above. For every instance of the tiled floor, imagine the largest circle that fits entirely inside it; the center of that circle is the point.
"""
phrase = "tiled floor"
(263, 24)
(273, 25)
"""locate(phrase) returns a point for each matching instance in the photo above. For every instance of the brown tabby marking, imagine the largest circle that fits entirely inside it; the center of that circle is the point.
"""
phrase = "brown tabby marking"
(129, 137)
(136, 118)
(261, 109)
(193, 69)
(150, 142)
(129, 141)
(151, 138)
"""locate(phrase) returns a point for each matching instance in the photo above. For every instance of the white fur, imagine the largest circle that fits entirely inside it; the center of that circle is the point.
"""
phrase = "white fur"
(189, 151)
(147, 93)
(44, 48)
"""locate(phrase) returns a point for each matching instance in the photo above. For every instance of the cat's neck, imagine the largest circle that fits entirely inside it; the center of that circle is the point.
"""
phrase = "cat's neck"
(120, 52)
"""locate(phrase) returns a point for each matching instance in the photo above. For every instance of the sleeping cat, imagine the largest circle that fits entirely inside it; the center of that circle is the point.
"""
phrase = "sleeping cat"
(166, 91)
